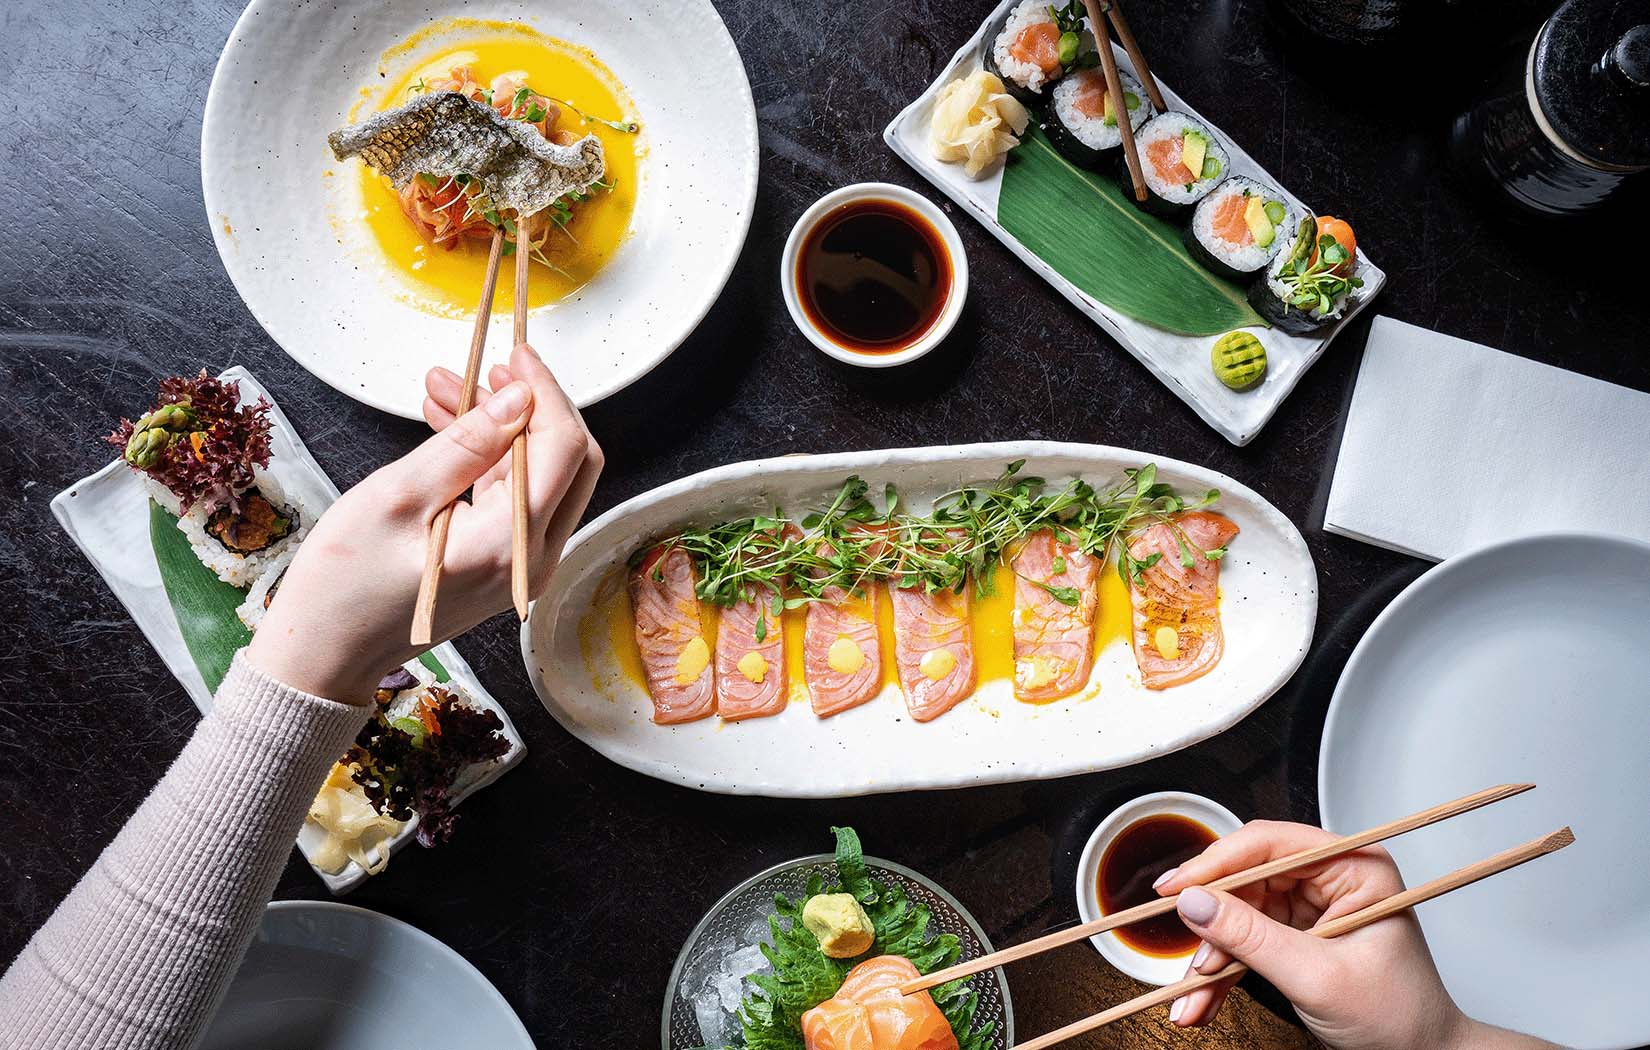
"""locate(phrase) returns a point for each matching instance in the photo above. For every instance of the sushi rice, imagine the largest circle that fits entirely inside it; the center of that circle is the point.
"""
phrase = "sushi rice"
(233, 567)
(1175, 125)
(251, 611)
(1027, 76)
(1094, 132)
(1232, 259)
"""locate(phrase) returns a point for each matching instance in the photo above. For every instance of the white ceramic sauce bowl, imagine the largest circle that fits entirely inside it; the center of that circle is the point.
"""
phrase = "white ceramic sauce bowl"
(924, 207)
(1153, 969)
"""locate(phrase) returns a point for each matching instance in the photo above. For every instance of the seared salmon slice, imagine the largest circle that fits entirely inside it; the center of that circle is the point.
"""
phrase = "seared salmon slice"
(750, 671)
(676, 659)
(841, 652)
(933, 649)
(1053, 636)
(1177, 636)
(869, 1013)
(1038, 45)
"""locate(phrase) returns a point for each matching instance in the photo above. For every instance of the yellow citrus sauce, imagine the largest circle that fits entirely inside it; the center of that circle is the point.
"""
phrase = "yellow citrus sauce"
(607, 628)
(448, 282)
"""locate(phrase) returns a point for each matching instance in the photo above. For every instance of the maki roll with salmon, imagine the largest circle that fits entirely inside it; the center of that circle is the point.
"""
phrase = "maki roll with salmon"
(1082, 121)
(1034, 46)
(1240, 227)
(1314, 274)
(1182, 161)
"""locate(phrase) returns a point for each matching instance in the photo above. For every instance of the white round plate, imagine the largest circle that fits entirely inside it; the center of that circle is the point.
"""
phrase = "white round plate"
(290, 74)
(1522, 661)
(1269, 600)
(328, 976)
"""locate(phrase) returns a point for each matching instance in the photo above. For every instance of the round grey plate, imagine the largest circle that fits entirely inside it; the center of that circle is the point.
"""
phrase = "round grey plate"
(752, 901)
(327, 976)
(1526, 661)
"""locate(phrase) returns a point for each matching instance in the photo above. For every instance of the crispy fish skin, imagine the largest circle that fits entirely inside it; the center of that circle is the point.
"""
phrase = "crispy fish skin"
(666, 616)
(1053, 641)
(839, 618)
(933, 649)
(1185, 600)
(869, 1013)
(750, 674)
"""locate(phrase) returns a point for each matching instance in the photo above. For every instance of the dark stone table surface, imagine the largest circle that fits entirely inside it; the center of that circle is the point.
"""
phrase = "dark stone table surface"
(572, 882)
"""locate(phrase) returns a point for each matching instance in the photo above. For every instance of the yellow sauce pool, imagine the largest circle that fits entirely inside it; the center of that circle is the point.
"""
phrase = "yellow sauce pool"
(448, 282)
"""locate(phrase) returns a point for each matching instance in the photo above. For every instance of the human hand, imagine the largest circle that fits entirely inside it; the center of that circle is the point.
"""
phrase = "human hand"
(1372, 989)
(343, 613)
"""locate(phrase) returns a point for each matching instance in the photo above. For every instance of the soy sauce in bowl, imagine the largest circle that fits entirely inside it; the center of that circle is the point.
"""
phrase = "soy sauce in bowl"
(873, 276)
(1137, 856)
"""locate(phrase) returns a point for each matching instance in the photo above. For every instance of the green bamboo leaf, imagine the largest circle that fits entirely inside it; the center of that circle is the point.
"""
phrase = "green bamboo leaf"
(1081, 225)
(428, 660)
(203, 604)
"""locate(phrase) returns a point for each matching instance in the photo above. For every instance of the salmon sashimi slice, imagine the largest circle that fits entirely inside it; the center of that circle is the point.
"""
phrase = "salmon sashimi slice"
(670, 636)
(841, 652)
(1053, 637)
(750, 670)
(1177, 636)
(869, 1013)
(933, 649)
(1038, 45)
(1228, 222)
(1165, 156)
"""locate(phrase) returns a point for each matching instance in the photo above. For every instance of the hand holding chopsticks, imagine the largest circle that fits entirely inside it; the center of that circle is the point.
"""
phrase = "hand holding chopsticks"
(1312, 877)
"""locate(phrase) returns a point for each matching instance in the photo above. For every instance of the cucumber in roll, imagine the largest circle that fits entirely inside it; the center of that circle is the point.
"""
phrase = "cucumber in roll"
(1082, 122)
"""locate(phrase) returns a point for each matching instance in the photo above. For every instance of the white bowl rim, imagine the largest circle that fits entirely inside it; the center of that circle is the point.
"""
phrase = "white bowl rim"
(1153, 969)
(955, 297)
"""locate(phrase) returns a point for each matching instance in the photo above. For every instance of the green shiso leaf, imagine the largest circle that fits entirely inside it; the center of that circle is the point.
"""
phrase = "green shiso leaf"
(803, 977)
(428, 660)
(203, 605)
(1082, 226)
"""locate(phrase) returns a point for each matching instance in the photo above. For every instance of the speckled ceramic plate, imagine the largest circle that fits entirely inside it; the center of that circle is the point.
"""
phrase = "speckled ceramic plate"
(741, 916)
(1269, 599)
(280, 208)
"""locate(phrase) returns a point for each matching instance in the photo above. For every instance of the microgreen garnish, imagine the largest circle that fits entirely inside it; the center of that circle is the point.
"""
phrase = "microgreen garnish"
(1314, 285)
(629, 127)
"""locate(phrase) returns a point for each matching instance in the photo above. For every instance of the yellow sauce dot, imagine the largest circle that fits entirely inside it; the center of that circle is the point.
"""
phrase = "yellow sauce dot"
(692, 661)
(937, 663)
(753, 666)
(845, 656)
(1167, 640)
(1036, 671)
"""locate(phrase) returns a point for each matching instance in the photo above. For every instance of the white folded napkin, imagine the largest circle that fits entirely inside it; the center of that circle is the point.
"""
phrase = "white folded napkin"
(1450, 445)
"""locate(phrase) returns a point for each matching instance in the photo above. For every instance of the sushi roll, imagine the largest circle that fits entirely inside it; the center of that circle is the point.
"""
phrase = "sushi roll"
(1034, 45)
(241, 539)
(1081, 123)
(1182, 161)
(1240, 227)
(1311, 278)
(262, 592)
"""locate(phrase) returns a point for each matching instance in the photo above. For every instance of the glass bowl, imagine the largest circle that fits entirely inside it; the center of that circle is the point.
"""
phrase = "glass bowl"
(731, 922)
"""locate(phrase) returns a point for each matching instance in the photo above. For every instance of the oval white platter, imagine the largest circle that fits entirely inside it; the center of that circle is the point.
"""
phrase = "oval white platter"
(1269, 598)
(280, 205)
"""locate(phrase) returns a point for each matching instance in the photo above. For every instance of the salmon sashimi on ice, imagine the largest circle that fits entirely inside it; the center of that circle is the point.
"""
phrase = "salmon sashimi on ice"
(1056, 598)
(1177, 635)
(933, 648)
(670, 637)
(750, 657)
(869, 1013)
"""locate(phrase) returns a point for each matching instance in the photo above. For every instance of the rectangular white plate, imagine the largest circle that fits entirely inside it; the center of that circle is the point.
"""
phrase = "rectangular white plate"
(1180, 361)
(105, 514)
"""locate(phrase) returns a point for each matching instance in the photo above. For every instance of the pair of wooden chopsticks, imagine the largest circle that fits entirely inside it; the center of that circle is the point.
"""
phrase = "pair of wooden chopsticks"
(436, 550)
(1114, 84)
(1551, 843)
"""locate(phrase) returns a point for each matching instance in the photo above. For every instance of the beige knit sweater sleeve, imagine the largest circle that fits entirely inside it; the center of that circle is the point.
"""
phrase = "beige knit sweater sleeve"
(139, 954)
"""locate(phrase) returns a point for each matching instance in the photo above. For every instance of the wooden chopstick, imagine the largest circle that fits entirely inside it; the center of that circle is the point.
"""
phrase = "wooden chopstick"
(1136, 56)
(1114, 89)
(435, 552)
(1293, 862)
(1381, 909)
(518, 447)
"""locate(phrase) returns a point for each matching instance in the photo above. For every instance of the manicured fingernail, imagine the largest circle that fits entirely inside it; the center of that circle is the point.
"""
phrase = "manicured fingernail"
(507, 404)
(1165, 877)
(1197, 906)
(1177, 1008)
(1202, 956)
